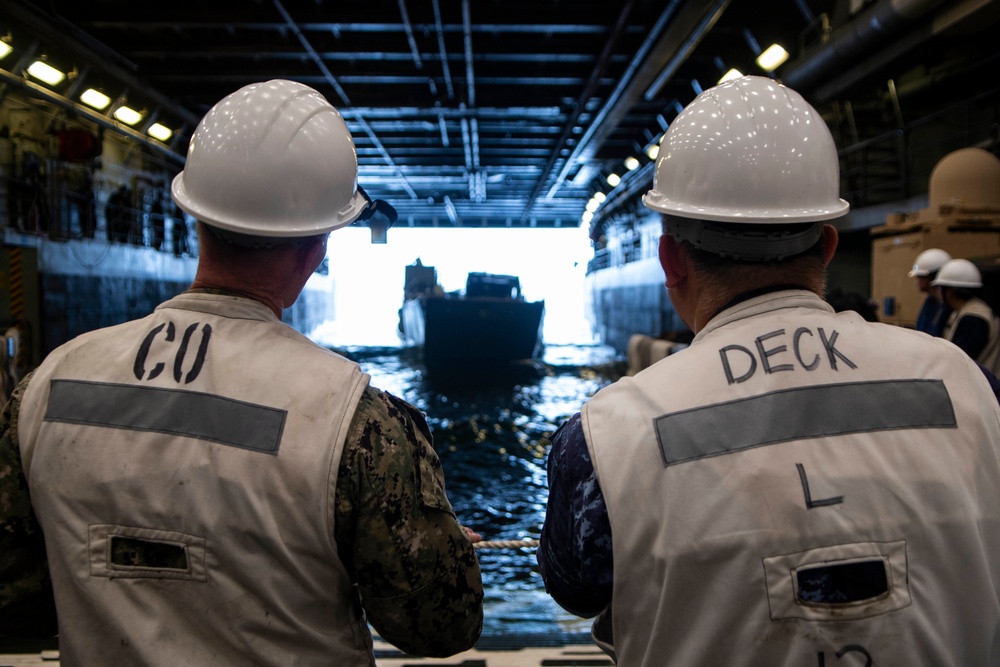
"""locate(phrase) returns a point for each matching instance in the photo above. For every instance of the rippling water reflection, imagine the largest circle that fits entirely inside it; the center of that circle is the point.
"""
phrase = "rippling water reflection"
(492, 434)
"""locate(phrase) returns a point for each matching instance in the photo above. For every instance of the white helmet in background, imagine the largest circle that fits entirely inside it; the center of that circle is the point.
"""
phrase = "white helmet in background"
(272, 159)
(929, 262)
(748, 151)
(959, 273)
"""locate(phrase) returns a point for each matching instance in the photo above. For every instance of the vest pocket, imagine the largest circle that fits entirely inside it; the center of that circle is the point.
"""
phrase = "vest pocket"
(838, 583)
(146, 553)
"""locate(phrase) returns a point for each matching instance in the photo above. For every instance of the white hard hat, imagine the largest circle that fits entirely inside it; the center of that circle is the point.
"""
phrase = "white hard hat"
(928, 262)
(748, 150)
(958, 273)
(272, 159)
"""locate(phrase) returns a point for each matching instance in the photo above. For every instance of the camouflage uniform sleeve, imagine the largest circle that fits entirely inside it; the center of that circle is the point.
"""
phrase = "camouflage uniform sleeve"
(27, 608)
(574, 554)
(414, 566)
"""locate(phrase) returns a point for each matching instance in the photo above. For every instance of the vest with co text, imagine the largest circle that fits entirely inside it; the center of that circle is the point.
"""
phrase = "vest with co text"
(182, 467)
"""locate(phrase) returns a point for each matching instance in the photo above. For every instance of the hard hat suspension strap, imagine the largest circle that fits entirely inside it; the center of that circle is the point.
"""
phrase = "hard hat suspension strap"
(748, 242)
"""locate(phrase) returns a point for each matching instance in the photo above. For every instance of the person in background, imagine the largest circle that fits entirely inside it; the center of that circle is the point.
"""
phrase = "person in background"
(798, 486)
(118, 215)
(210, 486)
(934, 312)
(157, 223)
(179, 231)
(972, 325)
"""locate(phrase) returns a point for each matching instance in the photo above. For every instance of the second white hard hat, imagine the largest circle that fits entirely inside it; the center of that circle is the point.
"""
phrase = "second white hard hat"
(928, 262)
(749, 150)
(272, 159)
(959, 273)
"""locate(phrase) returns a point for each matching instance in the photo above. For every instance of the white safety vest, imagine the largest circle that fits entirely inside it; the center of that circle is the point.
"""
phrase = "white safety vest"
(182, 467)
(805, 488)
(990, 356)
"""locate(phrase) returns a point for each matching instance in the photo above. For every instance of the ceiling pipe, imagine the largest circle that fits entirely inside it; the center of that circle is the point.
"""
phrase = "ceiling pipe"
(470, 80)
(472, 137)
(874, 27)
(404, 15)
(444, 54)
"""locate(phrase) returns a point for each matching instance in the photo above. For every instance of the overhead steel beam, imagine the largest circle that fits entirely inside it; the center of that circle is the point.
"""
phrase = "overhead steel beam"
(660, 50)
(343, 95)
(485, 28)
(581, 103)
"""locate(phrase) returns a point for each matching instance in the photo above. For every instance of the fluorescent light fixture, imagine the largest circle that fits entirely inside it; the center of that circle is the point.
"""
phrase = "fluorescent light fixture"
(160, 132)
(653, 151)
(730, 75)
(45, 72)
(599, 196)
(128, 115)
(5, 49)
(614, 180)
(587, 217)
(631, 163)
(772, 58)
(95, 99)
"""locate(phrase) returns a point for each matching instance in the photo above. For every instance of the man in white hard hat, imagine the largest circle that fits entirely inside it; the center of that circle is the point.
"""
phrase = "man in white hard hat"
(934, 312)
(972, 325)
(798, 486)
(209, 485)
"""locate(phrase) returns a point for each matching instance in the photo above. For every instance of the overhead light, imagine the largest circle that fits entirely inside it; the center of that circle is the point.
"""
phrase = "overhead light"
(45, 72)
(128, 115)
(587, 217)
(614, 180)
(599, 196)
(593, 205)
(730, 75)
(5, 49)
(160, 132)
(772, 58)
(95, 99)
(653, 151)
(631, 163)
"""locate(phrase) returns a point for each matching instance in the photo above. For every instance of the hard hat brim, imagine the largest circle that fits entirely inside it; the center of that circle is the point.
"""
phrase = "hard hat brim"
(264, 227)
(658, 202)
(956, 283)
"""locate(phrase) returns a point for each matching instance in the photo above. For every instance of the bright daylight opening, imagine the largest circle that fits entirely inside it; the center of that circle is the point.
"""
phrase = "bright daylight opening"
(368, 279)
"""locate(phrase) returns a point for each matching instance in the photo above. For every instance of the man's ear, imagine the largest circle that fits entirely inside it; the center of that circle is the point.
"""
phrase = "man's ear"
(309, 255)
(673, 259)
(830, 238)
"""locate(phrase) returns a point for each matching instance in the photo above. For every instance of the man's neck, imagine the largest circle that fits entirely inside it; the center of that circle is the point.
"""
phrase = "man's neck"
(244, 291)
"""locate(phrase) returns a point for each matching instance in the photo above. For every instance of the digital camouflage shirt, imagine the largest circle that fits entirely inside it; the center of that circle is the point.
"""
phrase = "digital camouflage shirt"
(414, 567)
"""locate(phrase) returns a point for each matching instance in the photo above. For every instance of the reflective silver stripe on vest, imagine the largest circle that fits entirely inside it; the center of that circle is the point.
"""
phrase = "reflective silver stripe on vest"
(806, 412)
(185, 413)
